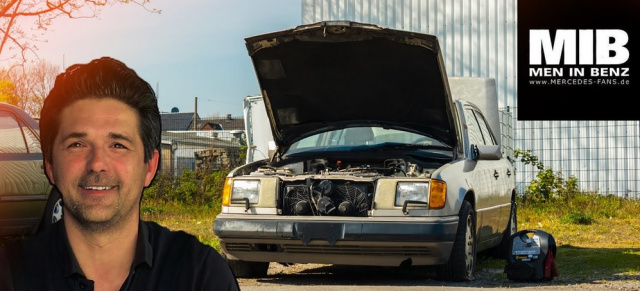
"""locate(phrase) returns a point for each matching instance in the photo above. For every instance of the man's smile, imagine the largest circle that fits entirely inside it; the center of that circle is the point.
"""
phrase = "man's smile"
(97, 188)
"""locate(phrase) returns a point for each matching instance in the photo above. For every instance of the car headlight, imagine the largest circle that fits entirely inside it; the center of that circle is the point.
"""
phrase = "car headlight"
(432, 193)
(240, 191)
(244, 190)
(411, 191)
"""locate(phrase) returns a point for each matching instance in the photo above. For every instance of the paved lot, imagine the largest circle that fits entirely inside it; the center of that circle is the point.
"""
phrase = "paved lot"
(317, 277)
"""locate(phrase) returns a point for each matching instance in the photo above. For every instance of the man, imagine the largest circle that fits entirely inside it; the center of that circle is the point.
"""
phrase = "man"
(100, 131)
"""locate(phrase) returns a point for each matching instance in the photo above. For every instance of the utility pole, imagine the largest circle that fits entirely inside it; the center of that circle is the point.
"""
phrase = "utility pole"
(195, 113)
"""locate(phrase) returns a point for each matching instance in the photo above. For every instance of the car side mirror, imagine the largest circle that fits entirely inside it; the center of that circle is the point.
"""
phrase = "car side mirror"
(485, 152)
(475, 153)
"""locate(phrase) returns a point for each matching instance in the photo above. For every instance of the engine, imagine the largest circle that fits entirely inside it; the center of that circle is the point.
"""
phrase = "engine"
(327, 197)
(321, 187)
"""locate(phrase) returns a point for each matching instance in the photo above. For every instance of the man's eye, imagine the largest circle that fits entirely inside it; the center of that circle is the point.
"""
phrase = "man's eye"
(75, 145)
(119, 146)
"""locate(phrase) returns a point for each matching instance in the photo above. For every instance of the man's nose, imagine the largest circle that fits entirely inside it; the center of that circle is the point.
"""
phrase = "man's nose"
(98, 159)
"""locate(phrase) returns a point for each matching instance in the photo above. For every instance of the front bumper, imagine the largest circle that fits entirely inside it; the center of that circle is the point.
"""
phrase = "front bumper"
(358, 241)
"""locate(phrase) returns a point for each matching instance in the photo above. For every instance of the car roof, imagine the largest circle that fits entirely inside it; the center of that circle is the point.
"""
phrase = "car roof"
(23, 115)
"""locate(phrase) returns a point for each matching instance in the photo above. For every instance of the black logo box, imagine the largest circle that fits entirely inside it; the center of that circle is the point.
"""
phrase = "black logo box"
(564, 93)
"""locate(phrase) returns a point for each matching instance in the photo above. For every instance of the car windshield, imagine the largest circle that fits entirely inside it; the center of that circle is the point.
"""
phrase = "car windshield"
(345, 139)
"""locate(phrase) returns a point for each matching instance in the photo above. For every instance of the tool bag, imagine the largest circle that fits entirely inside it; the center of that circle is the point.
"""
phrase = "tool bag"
(531, 256)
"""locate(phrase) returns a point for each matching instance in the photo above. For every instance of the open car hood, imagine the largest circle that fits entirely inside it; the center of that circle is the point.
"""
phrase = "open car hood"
(338, 74)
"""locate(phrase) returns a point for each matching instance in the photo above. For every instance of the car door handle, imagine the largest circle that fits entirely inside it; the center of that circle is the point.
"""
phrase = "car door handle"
(495, 174)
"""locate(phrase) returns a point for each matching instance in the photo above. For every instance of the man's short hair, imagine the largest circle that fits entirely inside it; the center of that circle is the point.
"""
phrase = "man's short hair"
(101, 78)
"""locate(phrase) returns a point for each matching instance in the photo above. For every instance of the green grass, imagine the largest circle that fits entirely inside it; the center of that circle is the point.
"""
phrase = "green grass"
(194, 219)
(596, 236)
(584, 264)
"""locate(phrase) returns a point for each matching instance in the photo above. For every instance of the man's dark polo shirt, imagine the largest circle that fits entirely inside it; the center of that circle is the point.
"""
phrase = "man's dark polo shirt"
(164, 260)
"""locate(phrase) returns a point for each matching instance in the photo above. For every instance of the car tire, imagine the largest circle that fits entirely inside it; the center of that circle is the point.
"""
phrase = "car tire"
(461, 264)
(245, 269)
(501, 250)
(52, 211)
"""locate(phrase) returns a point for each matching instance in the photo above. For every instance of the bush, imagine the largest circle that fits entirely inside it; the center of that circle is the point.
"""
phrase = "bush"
(577, 217)
(192, 187)
(558, 196)
(548, 185)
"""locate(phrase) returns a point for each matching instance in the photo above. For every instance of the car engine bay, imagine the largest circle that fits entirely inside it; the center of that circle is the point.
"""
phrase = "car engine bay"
(336, 187)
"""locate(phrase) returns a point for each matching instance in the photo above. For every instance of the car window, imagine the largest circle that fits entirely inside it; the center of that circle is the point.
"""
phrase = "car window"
(308, 142)
(484, 128)
(13, 141)
(33, 143)
(359, 136)
(475, 134)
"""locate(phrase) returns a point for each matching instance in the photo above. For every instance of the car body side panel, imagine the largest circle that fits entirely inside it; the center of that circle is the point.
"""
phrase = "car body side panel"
(22, 174)
(491, 182)
(489, 196)
(24, 187)
(474, 178)
(20, 217)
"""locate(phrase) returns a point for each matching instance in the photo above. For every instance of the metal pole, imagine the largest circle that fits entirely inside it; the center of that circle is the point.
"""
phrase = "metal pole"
(195, 113)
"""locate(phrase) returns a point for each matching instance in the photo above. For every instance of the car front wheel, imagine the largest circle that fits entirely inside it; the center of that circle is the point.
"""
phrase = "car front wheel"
(52, 211)
(461, 264)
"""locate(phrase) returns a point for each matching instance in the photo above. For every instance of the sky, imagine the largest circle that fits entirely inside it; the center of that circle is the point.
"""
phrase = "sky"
(193, 48)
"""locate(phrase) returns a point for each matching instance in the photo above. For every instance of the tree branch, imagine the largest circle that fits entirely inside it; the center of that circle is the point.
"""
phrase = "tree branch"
(45, 12)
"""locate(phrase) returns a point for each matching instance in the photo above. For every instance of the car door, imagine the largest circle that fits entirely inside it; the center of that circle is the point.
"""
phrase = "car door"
(488, 179)
(23, 184)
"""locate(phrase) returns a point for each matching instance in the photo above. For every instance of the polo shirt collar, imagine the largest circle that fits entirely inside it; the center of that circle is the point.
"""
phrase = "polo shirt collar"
(143, 254)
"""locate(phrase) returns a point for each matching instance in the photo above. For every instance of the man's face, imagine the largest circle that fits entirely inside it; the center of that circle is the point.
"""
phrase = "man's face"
(97, 162)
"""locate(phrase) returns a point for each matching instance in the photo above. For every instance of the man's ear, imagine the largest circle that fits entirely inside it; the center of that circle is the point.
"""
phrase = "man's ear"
(152, 168)
(48, 170)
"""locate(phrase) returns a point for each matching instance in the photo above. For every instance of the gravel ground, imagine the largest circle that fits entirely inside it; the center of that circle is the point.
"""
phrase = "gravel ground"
(319, 274)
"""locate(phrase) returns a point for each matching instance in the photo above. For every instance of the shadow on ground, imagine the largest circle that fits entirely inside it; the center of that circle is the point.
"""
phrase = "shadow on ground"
(576, 266)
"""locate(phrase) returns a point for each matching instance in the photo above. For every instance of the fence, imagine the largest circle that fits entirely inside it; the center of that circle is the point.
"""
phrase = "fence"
(205, 148)
(603, 155)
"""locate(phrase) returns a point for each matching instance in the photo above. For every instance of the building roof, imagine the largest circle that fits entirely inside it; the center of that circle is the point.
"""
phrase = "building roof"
(176, 121)
(227, 123)
(199, 139)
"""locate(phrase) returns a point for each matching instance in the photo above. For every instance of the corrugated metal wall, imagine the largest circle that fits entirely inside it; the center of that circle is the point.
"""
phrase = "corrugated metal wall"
(478, 39)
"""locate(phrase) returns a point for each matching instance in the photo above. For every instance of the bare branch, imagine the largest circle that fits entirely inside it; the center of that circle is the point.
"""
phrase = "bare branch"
(14, 39)
(31, 84)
